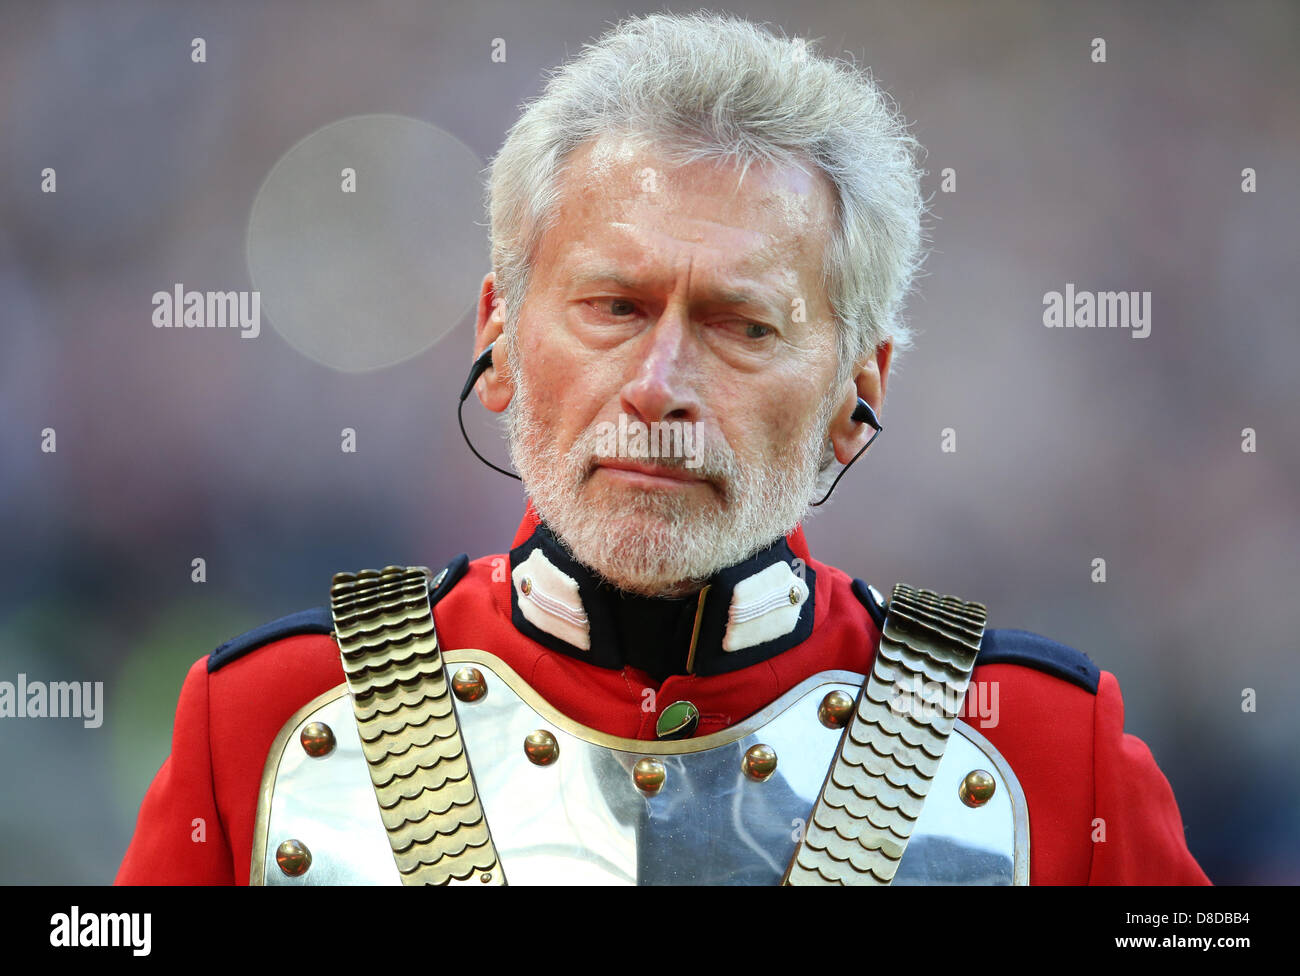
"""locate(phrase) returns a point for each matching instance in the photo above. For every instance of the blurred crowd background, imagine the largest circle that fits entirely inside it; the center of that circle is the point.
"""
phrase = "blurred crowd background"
(1071, 444)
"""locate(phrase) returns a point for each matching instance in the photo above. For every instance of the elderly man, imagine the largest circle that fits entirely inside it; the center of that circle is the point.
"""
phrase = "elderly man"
(702, 238)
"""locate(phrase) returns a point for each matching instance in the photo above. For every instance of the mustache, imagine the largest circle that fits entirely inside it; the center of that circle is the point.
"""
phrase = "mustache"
(716, 460)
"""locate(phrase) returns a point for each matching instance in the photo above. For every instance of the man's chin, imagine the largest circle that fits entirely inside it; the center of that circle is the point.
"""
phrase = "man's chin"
(635, 528)
(638, 547)
(645, 575)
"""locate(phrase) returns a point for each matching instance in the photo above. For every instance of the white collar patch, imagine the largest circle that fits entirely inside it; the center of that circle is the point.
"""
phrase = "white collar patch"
(764, 606)
(550, 600)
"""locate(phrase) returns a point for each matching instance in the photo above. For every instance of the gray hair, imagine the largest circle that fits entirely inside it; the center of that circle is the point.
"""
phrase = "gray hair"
(715, 86)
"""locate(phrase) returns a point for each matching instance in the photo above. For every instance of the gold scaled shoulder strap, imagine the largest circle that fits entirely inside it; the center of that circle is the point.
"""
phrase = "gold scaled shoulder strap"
(403, 706)
(890, 751)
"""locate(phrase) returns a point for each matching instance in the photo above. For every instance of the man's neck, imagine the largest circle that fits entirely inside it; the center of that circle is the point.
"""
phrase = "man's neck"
(741, 615)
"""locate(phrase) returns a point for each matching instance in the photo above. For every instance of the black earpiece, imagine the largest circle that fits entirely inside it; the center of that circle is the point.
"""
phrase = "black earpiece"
(480, 367)
(862, 414)
(481, 364)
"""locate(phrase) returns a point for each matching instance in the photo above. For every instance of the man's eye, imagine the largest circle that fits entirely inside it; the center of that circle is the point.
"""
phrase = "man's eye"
(755, 330)
(616, 306)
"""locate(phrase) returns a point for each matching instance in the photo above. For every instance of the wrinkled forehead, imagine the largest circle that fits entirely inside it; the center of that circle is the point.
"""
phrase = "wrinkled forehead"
(632, 197)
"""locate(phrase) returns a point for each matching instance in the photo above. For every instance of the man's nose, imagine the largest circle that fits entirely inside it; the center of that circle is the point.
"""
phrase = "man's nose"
(663, 386)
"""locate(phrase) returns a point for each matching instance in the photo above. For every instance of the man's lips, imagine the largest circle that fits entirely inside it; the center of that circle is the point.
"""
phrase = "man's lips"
(633, 468)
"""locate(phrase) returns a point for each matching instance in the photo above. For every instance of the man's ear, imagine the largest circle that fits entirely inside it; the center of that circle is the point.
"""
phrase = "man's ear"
(495, 387)
(868, 381)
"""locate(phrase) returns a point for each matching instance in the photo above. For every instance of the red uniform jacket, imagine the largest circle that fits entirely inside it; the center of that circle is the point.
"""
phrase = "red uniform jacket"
(1100, 810)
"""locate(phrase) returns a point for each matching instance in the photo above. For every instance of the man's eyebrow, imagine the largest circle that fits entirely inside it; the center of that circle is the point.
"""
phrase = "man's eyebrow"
(724, 295)
(595, 275)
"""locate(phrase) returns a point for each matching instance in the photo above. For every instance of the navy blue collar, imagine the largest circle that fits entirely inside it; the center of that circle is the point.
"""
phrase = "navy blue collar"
(570, 605)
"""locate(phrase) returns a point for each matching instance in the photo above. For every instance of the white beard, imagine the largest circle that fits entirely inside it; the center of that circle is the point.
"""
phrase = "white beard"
(663, 543)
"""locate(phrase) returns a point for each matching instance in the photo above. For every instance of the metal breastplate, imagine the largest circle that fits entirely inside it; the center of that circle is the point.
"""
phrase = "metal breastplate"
(607, 810)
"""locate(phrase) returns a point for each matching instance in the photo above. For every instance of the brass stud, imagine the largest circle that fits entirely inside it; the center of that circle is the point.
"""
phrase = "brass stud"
(541, 748)
(649, 775)
(835, 710)
(317, 739)
(759, 763)
(794, 596)
(486, 877)
(293, 857)
(678, 721)
(977, 788)
(526, 585)
(468, 684)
